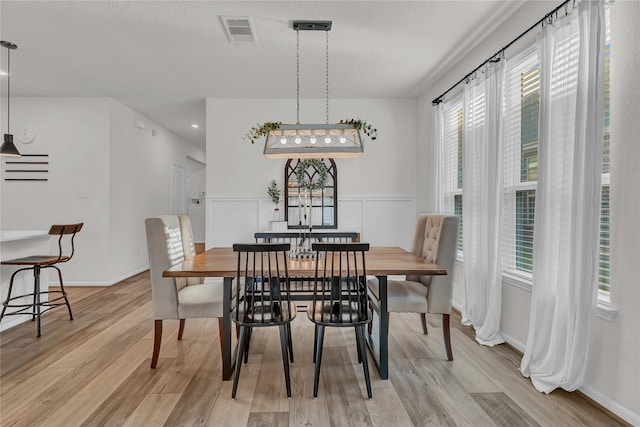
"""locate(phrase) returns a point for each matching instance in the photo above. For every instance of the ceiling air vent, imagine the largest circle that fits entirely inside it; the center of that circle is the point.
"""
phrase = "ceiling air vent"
(239, 28)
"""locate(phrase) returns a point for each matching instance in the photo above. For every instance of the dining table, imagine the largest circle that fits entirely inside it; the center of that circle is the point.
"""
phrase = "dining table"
(381, 261)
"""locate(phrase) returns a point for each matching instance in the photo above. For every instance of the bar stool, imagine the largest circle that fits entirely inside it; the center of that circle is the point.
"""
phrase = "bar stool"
(37, 263)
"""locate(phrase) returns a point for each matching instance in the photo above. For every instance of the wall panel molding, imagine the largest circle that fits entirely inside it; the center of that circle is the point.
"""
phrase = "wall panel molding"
(380, 220)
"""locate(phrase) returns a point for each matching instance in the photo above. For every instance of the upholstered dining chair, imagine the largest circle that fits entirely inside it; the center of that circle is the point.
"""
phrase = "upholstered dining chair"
(169, 242)
(435, 240)
(340, 299)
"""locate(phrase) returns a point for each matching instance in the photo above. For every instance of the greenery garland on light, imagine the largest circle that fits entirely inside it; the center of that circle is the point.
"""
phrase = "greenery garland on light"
(365, 127)
(304, 182)
(260, 130)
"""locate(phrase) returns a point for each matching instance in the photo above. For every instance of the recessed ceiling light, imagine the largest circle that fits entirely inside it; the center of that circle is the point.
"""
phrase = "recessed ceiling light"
(3, 73)
(195, 125)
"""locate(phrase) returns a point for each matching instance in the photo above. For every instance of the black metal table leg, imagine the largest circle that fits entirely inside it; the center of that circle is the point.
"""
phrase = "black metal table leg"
(381, 353)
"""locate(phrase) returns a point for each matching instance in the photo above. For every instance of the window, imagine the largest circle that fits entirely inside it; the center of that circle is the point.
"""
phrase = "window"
(603, 267)
(522, 100)
(323, 204)
(520, 132)
(452, 156)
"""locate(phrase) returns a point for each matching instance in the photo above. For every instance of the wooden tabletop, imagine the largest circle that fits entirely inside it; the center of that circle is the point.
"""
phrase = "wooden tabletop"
(381, 261)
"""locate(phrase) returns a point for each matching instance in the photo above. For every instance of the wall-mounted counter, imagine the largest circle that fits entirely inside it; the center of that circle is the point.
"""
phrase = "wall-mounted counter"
(17, 244)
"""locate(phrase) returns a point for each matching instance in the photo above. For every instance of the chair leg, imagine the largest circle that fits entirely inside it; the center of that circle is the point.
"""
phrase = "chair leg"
(35, 293)
(6, 302)
(156, 343)
(64, 293)
(446, 332)
(358, 346)
(315, 342)
(180, 329)
(36, 297)
(284, 344)
(290, 342)
(318, 346)
(365, 364)
(241, 344)
(423, 317)
(246, 347)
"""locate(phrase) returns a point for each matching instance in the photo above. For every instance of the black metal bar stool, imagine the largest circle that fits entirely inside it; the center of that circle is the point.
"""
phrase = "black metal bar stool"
(37, 263)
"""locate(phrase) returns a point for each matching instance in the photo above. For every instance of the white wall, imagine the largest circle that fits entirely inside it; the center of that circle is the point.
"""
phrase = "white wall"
(74, 132)
(197, 175)
(94, 146)
(381, 183)
(139, 184)
(613, 372)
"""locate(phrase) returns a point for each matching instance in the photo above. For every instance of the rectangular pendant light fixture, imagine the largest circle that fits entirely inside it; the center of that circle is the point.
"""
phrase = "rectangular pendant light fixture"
(304, 141)
(313, 141)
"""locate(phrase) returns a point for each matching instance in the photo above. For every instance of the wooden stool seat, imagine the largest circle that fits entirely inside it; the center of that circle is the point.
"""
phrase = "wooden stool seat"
(37, 260)
(35, 308)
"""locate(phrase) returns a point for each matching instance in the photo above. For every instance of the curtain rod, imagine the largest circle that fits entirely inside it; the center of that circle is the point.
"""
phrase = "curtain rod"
(495, 57)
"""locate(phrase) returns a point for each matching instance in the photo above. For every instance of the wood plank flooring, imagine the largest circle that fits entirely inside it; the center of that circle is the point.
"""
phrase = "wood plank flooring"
(94, 371)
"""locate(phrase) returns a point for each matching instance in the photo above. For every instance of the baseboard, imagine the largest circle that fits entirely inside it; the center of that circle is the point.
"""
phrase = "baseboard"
(517, 345)
(99, 283)
(610, 405)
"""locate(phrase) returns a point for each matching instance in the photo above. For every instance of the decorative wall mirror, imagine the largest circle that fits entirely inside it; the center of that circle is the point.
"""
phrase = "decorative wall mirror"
(311, 193)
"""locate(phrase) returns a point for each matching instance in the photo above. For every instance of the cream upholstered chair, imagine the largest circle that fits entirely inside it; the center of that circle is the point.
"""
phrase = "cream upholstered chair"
(435, 240)
(170, 241)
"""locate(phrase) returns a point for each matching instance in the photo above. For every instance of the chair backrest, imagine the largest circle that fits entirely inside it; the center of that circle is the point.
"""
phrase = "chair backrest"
(340, 288)
(297, 238)
(435, 239)
(262, 283)
(169, 242)
(62, 230)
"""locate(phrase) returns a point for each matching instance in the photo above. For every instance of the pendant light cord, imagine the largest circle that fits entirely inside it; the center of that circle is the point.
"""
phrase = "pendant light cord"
(297, 76)
(327, 73)
(8, 88)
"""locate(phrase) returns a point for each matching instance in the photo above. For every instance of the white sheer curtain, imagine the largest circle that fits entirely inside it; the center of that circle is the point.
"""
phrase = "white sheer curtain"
(438, 144)
(567, 198)
(482, 203)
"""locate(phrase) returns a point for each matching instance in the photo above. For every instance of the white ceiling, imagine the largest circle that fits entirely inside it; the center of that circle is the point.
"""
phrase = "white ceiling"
(163, 58)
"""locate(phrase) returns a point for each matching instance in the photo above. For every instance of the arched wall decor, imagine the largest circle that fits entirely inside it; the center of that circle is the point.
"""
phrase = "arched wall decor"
(306, 204)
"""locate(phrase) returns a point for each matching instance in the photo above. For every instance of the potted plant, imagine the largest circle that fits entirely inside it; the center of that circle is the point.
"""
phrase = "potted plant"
(274, 193)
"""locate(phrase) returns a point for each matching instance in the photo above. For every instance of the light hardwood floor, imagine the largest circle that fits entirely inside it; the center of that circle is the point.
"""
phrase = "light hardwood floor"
(94, 371)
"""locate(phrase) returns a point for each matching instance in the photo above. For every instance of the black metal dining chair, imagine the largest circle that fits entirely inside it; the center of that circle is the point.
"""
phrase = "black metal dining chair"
(340, 298)
(262, 299)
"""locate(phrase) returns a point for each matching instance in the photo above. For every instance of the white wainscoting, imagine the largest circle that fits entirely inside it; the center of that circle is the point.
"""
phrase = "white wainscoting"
(381, 221)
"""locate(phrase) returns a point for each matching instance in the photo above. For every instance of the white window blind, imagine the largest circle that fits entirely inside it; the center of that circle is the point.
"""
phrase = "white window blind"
(604, 261)
(522, 98)
(452, 160)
